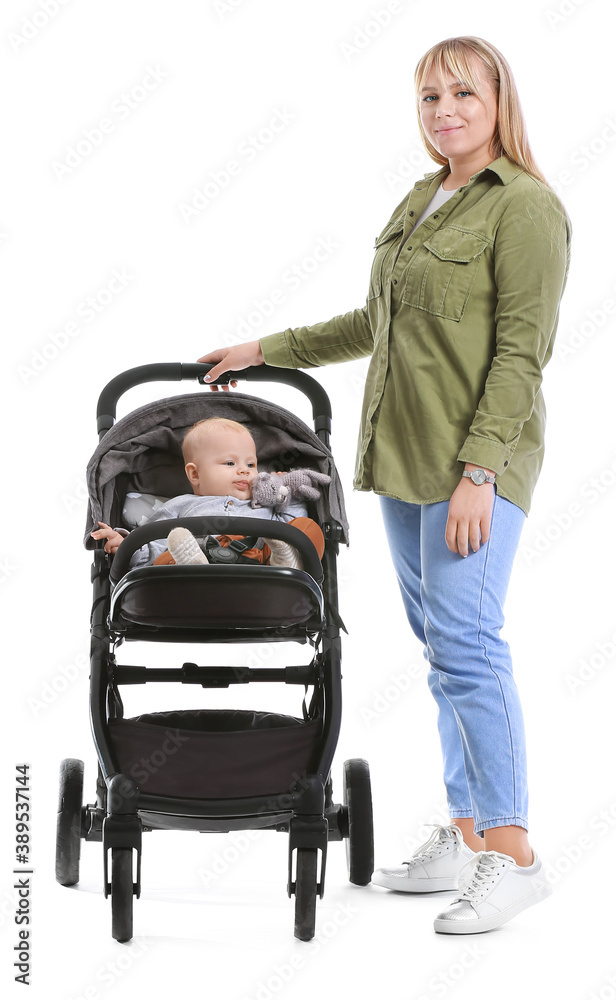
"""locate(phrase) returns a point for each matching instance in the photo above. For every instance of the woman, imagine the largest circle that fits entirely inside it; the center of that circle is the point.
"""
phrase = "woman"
(460, 320)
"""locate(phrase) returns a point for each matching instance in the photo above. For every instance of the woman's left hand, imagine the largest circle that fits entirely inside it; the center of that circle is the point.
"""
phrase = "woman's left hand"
(470, 513)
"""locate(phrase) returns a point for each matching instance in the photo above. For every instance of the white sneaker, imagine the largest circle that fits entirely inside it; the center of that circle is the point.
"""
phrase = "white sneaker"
(434, 867)
(493, 889)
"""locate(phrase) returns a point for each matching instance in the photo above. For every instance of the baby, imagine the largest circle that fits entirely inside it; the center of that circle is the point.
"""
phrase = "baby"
(221, 466)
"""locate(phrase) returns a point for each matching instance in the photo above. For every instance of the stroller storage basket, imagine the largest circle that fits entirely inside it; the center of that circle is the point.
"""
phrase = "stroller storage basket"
(215, 754)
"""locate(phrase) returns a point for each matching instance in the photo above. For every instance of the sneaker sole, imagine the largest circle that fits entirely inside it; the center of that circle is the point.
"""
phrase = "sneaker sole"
(444, 926)
(402, 883)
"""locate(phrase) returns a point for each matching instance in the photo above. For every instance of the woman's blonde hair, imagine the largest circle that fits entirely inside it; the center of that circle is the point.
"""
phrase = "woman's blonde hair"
(455, 56)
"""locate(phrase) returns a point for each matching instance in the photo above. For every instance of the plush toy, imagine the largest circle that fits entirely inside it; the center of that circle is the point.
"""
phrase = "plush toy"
(272, 490)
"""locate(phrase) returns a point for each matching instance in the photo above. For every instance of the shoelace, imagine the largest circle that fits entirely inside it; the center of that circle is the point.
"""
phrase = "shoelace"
(432, 843)
(479, 872)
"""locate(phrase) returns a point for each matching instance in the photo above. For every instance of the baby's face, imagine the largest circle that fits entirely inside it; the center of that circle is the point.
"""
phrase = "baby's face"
(225, 464)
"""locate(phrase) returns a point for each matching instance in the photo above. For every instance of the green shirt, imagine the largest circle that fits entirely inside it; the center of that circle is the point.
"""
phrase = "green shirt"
(460, 320)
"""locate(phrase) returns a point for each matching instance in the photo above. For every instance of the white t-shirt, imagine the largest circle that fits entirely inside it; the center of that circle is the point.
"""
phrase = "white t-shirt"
(439, 199)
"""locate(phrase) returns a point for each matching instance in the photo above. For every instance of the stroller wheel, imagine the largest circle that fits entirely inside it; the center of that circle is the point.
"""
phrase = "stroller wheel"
(68, 831)
(306, 893)
(357, 802)
(121, 893)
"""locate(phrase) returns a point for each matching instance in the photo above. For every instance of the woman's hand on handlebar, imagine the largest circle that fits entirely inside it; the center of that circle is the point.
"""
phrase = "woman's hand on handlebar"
(232, 359)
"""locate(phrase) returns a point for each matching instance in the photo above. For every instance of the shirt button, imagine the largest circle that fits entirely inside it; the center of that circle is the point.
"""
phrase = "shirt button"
(436, 216)
(395, 281)
(411, 213)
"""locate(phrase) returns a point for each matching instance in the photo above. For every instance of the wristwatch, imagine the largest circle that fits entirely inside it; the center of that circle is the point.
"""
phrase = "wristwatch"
(479, 476)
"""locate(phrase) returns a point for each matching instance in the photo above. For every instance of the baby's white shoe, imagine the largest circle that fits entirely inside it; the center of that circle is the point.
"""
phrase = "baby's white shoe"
(283, 554)
(184, 548)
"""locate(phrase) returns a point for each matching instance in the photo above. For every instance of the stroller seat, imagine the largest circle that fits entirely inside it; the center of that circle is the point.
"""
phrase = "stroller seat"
(142, 453)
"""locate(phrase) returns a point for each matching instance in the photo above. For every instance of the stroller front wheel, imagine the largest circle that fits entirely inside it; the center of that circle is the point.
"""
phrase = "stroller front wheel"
(121, 893)
(306, 893)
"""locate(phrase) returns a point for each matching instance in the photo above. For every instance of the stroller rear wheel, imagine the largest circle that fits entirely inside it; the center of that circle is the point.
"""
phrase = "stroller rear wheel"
(68, 831)
(357, 804)
(306, 893)
(121, 893)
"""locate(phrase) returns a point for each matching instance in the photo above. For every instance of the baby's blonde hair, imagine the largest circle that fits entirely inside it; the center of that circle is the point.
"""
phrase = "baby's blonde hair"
(194, 435)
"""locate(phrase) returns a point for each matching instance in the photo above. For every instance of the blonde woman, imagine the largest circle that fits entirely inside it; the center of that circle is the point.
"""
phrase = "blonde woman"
(460, 320)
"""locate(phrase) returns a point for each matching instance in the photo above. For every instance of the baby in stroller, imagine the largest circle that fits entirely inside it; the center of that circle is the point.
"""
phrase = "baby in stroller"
(221, 466)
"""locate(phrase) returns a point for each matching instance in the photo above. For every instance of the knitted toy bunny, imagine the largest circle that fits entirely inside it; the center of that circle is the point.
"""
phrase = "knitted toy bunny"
(271, 490)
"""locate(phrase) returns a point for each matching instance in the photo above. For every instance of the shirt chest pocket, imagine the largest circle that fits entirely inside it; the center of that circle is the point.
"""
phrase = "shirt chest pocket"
(442, 273)
(385, 248)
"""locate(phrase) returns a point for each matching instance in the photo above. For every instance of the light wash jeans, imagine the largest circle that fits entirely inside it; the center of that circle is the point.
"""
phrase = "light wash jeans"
(455, 607)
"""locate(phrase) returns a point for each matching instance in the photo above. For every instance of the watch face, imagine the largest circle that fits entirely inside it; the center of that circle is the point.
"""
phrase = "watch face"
(478, 476)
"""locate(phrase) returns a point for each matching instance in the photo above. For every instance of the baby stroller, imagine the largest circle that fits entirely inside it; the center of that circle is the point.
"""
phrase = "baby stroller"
(217, 770)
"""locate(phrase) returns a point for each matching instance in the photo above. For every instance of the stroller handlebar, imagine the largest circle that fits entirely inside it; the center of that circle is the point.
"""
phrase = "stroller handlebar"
(201, 526)
(177, 372)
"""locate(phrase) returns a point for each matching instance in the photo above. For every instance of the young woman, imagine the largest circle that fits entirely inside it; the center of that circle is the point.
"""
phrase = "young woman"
(460, 320)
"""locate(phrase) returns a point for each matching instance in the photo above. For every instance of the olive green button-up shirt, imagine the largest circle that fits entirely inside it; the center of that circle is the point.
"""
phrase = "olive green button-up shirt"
(460, 320)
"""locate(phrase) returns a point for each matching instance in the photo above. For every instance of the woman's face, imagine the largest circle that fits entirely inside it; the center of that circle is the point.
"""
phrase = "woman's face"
(456, 121)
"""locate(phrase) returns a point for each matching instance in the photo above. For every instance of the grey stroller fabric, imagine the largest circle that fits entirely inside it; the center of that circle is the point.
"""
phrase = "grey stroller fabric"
(145, 450)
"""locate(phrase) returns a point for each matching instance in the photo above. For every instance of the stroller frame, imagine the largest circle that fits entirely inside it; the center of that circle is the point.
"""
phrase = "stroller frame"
(122, 811)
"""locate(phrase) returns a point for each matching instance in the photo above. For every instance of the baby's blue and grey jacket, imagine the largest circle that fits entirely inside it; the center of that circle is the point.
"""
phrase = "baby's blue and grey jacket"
(189, 505)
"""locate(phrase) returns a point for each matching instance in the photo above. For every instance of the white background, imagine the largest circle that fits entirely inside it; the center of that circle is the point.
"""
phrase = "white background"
(346, 156)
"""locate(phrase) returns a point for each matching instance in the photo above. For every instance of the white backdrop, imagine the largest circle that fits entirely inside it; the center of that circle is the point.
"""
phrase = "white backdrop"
(180, 176)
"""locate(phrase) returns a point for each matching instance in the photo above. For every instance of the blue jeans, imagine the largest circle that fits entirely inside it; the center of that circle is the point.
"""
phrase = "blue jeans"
(455, 607)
